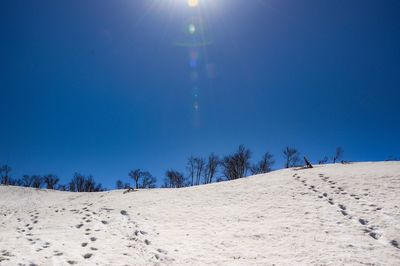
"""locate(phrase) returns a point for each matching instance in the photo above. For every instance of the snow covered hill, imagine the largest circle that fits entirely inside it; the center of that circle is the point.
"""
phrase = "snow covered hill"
(329, 215)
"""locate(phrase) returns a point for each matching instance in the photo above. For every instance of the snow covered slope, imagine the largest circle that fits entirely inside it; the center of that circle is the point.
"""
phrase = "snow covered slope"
(329, 215)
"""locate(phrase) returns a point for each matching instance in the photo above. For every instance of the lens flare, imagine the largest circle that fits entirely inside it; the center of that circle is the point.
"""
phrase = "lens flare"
(193, 3)
(196, 105)
(192, 29)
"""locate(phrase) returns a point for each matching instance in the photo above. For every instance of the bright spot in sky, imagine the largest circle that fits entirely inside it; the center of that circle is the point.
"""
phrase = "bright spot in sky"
(192, 29)
(193, 3)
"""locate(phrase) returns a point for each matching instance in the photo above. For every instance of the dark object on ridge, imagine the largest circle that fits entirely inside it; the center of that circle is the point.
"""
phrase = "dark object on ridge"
(308, 164)
(129, 190)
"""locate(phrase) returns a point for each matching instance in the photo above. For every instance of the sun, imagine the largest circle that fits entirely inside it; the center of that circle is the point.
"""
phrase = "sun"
(193, 3)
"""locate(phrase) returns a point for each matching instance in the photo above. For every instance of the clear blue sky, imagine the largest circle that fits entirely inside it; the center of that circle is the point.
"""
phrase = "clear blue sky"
(102, 87)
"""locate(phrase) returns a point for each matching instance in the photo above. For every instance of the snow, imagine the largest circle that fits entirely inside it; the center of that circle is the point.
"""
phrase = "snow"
(279, 218)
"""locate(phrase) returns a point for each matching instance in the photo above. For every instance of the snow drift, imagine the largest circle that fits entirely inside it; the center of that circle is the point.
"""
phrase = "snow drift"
(329, 215)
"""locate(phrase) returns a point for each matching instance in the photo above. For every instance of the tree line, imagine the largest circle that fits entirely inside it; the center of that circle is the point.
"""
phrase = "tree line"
(237, 165)
(79, 182)
(199, 171)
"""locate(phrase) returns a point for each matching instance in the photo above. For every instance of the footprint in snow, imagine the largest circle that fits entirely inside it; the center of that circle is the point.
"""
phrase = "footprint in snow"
(87, 256)
(375, 235)
(162, 251)
(58, 253)
(139, 231)
(395, 244)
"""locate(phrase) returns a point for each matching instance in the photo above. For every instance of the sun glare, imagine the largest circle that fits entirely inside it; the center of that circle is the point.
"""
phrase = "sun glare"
(193, 3)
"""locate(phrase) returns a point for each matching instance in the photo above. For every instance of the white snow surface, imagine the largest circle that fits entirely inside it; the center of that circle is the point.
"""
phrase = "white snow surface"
(279, 218)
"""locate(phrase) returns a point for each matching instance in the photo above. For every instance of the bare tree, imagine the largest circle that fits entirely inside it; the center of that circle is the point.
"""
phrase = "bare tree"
(135, 175)
(14, 182)
(263, 166)
(77, 184)
(338, 154)
(148, 180)
(199, 169)
(89, 184)
(51, 181)
(195, 167)
(27, 181)
(174, 179)
(190, 167)
(291, 156)
(211, 168)
(236, 165)
(37, 181)
(72, 186)
(81, 183)
(119, 184)
(5, 174)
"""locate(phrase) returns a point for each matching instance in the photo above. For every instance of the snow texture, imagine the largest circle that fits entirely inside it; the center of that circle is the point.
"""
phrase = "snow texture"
(328, 215)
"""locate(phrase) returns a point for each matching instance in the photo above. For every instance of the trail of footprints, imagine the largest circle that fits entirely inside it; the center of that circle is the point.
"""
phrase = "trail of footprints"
(135, 240)
(371, 230)
(5, 255)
